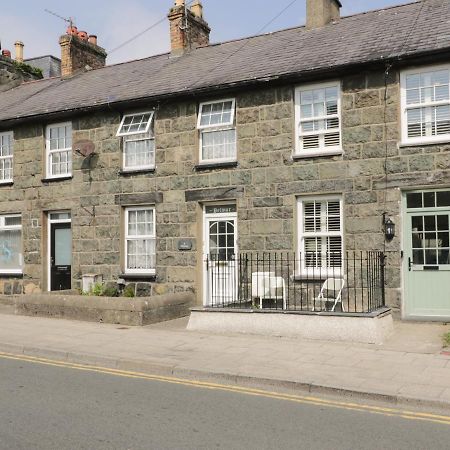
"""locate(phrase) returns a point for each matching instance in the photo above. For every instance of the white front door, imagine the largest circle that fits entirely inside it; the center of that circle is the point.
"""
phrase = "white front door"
(220, 255)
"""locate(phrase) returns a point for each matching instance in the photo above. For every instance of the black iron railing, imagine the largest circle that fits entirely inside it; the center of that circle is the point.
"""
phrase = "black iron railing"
(352, 282)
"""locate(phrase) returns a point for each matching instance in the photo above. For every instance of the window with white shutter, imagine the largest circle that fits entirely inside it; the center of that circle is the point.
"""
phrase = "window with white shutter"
(138, 137)
(217, 131)
(318, 119)
(425, 105)
(320, 234)
(6, 157)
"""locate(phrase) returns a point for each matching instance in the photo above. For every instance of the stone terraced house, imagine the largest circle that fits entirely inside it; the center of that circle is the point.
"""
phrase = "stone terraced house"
(246, 172)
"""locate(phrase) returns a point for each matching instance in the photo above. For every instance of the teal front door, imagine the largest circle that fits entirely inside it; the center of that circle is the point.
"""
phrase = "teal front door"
(426, 261)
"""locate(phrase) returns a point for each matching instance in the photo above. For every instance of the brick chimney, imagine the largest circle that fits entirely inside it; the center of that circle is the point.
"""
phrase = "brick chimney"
(79, 53)
(188, 29)
(322, 12)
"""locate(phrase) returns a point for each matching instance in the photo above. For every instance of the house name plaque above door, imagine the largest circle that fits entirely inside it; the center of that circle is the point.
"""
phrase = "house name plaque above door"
(220, 209)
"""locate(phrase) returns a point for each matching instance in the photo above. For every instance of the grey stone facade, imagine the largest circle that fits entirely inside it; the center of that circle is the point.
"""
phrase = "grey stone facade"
(265, 184)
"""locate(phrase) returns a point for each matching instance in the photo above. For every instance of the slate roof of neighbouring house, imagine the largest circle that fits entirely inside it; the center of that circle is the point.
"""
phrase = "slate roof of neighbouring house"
(403, 30)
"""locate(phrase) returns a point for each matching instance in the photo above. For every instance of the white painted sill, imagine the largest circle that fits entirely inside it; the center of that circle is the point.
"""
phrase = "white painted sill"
(423, 143)
(317, 153)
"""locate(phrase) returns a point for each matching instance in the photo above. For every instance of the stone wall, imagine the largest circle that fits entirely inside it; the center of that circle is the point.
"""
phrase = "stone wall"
(265, 184)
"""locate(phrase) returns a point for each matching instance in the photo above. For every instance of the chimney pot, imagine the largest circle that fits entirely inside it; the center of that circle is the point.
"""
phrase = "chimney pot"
(72, 31)
(83, 35)
(322, 12)
(19, 51)
(197, 9)
(92, 39)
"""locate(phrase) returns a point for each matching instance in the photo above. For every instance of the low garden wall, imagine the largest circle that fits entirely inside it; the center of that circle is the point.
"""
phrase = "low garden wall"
(116, 310)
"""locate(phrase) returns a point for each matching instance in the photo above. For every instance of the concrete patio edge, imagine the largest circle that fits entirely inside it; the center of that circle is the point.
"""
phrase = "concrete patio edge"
(164, 370)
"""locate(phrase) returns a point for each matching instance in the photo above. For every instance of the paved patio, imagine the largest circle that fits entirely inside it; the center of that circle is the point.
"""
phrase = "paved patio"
(410, 366)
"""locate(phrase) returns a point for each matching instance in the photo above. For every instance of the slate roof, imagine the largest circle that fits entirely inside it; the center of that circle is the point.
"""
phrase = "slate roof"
(398, 31)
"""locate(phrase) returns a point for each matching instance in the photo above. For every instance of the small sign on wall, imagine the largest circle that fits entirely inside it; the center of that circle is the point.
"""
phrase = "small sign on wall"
(184, 245)
(220, 209)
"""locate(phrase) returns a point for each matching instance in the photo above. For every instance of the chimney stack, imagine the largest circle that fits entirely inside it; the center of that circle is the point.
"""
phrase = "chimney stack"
(188, 29)
(19, 51)
(80, 52)
(322, 12)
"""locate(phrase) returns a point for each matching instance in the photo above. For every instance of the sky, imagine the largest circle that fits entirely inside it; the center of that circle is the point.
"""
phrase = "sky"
(116, 21)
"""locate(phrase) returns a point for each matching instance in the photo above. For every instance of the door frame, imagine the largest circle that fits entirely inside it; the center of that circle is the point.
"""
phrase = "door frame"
(205, 236)
(50, 222)
(406, 246)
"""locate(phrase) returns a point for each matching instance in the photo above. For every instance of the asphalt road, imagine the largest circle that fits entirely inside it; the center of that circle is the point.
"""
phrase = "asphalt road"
(47, 407)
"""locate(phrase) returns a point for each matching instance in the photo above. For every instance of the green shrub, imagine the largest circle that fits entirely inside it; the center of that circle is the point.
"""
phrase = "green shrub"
(96, 290)
(110, 291)
(446, 339)
(128, 292)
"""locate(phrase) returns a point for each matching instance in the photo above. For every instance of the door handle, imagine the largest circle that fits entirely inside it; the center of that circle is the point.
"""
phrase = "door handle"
(410, 264)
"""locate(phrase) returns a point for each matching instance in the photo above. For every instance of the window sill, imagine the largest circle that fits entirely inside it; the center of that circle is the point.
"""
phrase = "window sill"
(316, 154)
(217, 165)
(53, 179)
(130, 172)
(11, 275)
(423, 144)
(138, 277)
(6, 183)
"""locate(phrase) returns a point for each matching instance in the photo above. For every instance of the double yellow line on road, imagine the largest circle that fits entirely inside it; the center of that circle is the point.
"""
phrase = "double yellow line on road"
(307, 400)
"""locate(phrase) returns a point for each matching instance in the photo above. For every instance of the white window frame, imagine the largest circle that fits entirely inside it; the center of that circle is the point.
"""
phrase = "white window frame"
(231, 125)
(4, 227)
(137, 113)
(11, 157)
(322, 271)
(126, 138)
(127, 210)
(322, 151)
(405, 140)
(49, 152)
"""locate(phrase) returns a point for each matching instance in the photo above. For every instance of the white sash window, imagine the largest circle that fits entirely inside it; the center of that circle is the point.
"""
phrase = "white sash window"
(140, 240)
(6, 157)
(217, 131)
(59, 150)
(320, 234)
(11, 259)
(425, 105)
(138, 141)
(318, 119)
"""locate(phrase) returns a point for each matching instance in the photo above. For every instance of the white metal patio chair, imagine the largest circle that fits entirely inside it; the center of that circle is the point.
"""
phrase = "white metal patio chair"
(267, 286)
(331, 292)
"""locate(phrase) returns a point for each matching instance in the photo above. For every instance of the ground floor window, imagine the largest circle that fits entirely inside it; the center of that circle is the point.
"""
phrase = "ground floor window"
(320, 234)
(140, 240)
(11, 259)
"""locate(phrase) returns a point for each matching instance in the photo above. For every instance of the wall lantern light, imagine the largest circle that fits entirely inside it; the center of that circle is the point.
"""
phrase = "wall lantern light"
(389, 228)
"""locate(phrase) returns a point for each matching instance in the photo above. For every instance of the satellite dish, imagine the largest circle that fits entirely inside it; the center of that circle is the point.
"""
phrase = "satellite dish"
(84, 147)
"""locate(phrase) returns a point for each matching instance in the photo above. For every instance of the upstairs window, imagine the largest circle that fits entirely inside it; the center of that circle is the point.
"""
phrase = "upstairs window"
(217, 131)
(425, 105)
(318, 119)
(59, 150)
(320, 233)
(11, 244)
(138, 137)
(140, 240)
(6, 157)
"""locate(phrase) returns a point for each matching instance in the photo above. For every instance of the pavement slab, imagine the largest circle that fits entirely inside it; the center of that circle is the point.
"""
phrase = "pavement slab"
(409, 367)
